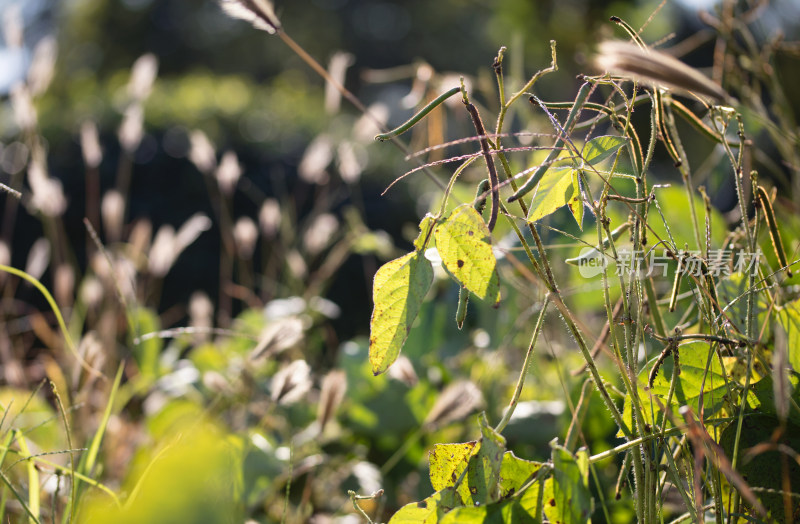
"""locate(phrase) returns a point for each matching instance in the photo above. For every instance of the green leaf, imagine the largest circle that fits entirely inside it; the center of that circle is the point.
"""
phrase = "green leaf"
(515, 473)
(763, 470)
(428, 511)
(483, 474)
(692, 380)
(789, 318)
(464, 243)
(762, 397)
(567, 498)
(575, 203)
(554, 191)
(147, 352)
(510, 509)
(599, 148)
(398, 290)
(732, 294)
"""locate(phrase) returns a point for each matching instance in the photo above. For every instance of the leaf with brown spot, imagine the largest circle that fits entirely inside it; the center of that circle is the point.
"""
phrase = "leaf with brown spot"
(428, 511)
(398, 291)
(465, 246)
(567, 491)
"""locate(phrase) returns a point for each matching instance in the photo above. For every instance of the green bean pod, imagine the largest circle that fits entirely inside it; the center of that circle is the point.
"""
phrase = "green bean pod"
(774, 233)
(417, 117)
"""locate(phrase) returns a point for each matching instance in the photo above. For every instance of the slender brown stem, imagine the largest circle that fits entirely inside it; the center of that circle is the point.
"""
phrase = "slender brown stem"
(476, 121)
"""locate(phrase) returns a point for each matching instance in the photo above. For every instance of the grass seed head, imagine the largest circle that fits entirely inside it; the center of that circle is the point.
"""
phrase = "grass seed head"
(655, 68)
(260, 13)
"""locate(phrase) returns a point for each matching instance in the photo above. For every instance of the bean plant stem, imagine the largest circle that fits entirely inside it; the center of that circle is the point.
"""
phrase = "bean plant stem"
(512, 405)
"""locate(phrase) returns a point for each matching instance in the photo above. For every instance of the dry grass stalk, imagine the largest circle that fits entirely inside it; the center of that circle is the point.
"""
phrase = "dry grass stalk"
(228, 173)
(143, 74)
(337, 68)
(320, 233)
(260, 13)
(12, 26)
(278, 336)
(22, 106)
(245, 235)
(269, 217)
(64, 285)
(403, 370)
(458, 400)
(131, 130)
(201, 316)
(90, 145)
(38, 258)
(112, 209)
(352, 159)
(202, 153)
(291, 383)
(47, 193)
(656, 69)
(40, 73)
(334, 386)
(316, 159)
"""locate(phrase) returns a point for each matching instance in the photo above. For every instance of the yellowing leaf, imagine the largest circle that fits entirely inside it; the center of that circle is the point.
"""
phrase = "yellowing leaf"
(515, 473)
(575, 203)
(448, 462)
(398, 290)
(567, 498)
(482, 459)
(483, 474)
(464, 243)
(428, 511)
(424, 229)
(554, 191)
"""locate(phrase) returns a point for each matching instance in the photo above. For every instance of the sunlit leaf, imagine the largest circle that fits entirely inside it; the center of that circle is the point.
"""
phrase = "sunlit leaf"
(424, 232)
(690, 383)
(482, 459)
(448, 462)
(504, 512)
(515, 473)
(464, 243)
(733, 297)
(567, 498)
(428, 511)
(693, 378)
(575, 202)
(554, 191)
(398, 290)
(483, 474)
(602, 147)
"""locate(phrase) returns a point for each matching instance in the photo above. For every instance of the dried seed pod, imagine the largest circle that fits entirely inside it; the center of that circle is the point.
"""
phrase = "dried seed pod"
(772, 224)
